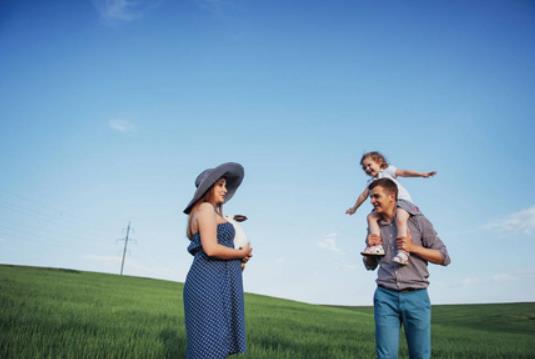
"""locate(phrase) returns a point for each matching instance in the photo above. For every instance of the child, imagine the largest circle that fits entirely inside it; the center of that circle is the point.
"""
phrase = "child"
(376, 166)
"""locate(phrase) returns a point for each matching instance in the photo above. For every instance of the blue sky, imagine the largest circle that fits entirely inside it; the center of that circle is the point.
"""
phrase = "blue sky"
(110, 109)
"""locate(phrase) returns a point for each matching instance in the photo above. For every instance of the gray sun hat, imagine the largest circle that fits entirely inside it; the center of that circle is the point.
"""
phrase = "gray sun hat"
(233, 173)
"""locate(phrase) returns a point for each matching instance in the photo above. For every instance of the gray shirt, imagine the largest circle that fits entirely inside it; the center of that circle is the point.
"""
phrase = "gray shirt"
(414, 275)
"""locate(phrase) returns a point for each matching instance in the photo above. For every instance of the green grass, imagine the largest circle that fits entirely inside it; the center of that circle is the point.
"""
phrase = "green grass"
(57, 313)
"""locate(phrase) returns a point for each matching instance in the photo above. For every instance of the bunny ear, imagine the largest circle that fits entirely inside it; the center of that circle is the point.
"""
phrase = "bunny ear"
(240, 218)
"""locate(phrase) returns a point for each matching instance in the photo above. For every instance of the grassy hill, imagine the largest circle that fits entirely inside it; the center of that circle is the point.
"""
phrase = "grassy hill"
(52, 313)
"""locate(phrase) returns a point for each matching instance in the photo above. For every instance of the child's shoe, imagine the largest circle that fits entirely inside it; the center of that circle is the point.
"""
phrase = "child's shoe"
(377, 250)
(401, 258)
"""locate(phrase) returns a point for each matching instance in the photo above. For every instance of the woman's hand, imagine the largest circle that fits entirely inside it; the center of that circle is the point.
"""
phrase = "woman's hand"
(247, 252)
(247, 255)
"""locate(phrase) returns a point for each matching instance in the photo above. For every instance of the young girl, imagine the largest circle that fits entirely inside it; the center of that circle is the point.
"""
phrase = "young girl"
(376, 166)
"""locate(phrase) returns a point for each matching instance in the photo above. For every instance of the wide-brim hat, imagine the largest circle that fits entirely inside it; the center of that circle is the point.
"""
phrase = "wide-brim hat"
(233, 173)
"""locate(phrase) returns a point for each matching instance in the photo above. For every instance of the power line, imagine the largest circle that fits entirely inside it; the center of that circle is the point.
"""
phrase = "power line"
(29, 217)
(34, 220)
(125, 245)
(34, 227)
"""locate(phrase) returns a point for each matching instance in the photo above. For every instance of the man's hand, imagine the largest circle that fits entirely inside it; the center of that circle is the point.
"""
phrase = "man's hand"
(428, 254)
(351, 210)
(405, 243)
(429, 174)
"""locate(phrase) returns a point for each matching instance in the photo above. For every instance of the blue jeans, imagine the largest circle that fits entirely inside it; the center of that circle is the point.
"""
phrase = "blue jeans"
(410, 308)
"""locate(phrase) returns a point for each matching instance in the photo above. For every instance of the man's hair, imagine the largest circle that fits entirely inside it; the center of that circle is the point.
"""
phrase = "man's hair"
(387, 184)
(376, 156)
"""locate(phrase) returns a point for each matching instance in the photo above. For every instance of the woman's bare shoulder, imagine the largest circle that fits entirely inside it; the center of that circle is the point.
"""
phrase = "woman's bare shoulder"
(205, 208)
(202, 213)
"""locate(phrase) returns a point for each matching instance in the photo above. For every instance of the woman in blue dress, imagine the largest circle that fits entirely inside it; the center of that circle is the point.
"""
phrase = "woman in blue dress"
(213, 291)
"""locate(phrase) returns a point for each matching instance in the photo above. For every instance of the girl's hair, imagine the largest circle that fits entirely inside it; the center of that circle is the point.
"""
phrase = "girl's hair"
(204, 198)
(377, 157)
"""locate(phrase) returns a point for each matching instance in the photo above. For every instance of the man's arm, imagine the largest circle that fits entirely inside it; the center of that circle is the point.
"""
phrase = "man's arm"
(432, 249)
(430, 255)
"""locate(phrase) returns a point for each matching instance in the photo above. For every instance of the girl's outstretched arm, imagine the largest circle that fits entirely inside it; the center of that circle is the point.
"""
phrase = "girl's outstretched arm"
(412, 173)
(360, 200)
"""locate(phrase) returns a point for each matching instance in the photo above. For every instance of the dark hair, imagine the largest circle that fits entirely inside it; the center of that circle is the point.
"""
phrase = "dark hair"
(387, 184)
(205, 198)
(377, 157)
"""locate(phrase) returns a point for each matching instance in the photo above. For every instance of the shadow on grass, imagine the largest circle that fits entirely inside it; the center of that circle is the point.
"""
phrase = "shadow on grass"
(175, 346)
(67, 270)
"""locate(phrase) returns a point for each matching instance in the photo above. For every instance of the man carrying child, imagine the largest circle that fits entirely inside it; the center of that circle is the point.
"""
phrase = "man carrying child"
(401, 296)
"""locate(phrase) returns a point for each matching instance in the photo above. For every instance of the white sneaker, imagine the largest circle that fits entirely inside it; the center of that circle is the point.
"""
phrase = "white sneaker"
(377, 250)
(401, 258)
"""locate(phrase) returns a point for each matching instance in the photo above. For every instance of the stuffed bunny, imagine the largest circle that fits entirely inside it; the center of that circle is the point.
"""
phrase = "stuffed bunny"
(240, 239)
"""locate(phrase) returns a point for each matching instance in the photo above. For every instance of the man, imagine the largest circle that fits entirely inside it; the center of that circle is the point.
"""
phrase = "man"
(401, 295)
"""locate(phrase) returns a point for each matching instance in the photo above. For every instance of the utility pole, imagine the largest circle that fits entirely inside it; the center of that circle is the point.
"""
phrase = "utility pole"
(125, 245)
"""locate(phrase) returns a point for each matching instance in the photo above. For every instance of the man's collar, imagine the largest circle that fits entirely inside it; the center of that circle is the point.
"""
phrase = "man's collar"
(383, 220)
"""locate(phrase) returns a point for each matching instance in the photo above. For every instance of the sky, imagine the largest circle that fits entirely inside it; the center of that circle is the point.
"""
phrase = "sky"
(109, 109)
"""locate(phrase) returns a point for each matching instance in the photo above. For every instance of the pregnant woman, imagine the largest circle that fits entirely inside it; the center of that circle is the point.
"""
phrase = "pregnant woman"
(213, 291)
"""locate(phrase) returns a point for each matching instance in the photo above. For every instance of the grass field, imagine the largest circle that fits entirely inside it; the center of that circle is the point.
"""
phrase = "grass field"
(59, 313)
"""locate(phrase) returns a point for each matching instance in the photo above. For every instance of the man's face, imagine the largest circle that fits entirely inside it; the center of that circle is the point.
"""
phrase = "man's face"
(381, 200)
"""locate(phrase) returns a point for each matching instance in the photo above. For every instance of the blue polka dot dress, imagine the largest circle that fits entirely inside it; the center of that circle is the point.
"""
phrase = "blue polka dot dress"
(213, 301)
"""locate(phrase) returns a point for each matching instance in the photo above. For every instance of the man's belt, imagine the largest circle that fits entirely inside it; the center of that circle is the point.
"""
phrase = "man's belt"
(399, 290)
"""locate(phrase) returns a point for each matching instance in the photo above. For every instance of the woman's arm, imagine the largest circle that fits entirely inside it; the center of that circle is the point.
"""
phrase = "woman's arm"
(412, 173)
(360, 200)
(206, 219)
